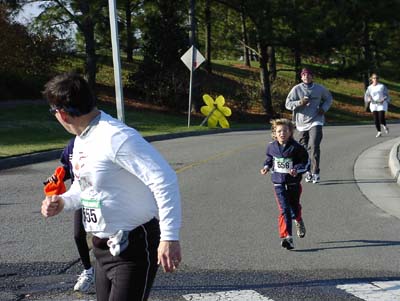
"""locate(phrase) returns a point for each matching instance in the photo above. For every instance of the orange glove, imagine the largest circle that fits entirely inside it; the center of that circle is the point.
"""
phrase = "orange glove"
(57, 186)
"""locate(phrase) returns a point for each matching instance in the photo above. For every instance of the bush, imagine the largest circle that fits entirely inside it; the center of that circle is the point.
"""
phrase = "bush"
(26, 59)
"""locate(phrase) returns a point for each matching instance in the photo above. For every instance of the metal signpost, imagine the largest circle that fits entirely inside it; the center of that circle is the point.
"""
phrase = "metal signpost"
(192, 59)
(116, 60)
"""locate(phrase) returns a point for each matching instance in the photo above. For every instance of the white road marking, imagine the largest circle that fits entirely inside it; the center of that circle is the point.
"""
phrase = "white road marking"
(374, 291)
(242, 295)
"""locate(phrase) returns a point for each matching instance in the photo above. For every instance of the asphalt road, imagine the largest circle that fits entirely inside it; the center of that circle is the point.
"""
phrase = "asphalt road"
(229, 235)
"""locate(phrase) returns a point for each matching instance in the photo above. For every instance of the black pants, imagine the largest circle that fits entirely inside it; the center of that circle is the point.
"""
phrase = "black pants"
(129, 276)
(80, 239)
(379, 118)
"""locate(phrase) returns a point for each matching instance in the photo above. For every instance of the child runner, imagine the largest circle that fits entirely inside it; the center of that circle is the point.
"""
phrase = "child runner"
(287, 160)
(86, 278)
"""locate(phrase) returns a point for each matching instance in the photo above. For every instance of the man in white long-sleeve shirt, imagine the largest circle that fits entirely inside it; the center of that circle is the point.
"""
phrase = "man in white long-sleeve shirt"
(129, 194)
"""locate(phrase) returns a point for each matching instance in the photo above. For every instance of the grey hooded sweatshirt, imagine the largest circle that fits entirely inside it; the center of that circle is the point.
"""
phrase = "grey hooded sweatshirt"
(307, 116)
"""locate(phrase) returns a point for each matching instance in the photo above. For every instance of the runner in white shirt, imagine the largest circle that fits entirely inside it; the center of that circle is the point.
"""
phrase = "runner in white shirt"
(129, 194)
(377, 99)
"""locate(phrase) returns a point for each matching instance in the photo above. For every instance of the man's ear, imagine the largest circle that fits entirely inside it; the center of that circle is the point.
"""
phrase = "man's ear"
(65, 117)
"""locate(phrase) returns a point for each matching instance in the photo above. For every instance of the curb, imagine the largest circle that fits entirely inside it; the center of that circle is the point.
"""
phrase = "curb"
(394, 163)
(16, 161)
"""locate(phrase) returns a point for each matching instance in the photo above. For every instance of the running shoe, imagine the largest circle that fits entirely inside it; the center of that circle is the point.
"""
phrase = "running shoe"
(287, 243)
(300, 228)
(378, 134)
(315, 178)
(308, 177)
(85, 280)
(386, 129)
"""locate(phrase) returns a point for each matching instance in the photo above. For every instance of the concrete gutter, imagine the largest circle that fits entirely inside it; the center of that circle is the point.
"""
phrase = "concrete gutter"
(11, 162)
(394, 163)
(376, 172)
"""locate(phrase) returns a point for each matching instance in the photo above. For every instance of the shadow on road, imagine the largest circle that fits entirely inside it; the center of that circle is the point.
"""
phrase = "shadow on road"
(354, 181)
(280, 285)
(350, 244)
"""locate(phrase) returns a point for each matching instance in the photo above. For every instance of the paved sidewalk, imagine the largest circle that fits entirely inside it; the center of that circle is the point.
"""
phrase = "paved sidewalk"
(376, 172)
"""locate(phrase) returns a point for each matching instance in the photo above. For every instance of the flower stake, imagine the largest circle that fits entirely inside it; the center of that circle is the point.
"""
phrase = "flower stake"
(215, 112)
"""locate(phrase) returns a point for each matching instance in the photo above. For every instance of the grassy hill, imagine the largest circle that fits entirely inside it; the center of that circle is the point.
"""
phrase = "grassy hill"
(28, 127)
(240, 86)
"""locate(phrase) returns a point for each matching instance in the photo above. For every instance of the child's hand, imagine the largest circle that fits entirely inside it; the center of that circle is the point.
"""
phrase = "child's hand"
(264, 171)
(293, 172)
(51, 179)
(55, 184)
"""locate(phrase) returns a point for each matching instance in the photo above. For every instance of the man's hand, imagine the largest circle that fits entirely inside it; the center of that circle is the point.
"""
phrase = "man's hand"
(264, 171)
(304, 101)
(52, 205)
(169, 255)
(321, 111)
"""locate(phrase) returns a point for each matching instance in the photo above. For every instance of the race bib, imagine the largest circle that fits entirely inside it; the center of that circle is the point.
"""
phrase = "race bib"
(283, 165)
(92, 216)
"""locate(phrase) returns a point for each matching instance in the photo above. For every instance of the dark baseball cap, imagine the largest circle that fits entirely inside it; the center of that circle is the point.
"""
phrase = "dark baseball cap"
(306, 71)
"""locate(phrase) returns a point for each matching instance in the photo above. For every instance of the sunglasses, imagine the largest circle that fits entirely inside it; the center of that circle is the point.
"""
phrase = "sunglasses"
(53, 110)
(71, 111)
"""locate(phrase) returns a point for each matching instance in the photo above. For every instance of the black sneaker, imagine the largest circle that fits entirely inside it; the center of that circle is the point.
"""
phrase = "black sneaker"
(287, 243)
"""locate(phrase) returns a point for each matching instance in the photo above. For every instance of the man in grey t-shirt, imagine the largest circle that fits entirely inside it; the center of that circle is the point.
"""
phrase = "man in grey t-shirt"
(309, 102)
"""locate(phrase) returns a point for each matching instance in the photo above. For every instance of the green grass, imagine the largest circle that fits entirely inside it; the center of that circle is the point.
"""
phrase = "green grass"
(28, 128)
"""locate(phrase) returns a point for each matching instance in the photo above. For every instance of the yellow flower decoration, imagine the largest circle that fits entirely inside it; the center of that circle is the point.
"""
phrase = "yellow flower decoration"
(215, 111)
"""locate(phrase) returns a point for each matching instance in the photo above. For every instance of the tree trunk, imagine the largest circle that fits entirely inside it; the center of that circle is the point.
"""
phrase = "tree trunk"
(264, 78)
(246, 55)
(207, 14)
(129, 38)
(91, 58)
(87, 26)
(297, 63)
(272, 63)
(297, 37)
(366, 51)
(195, 107)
